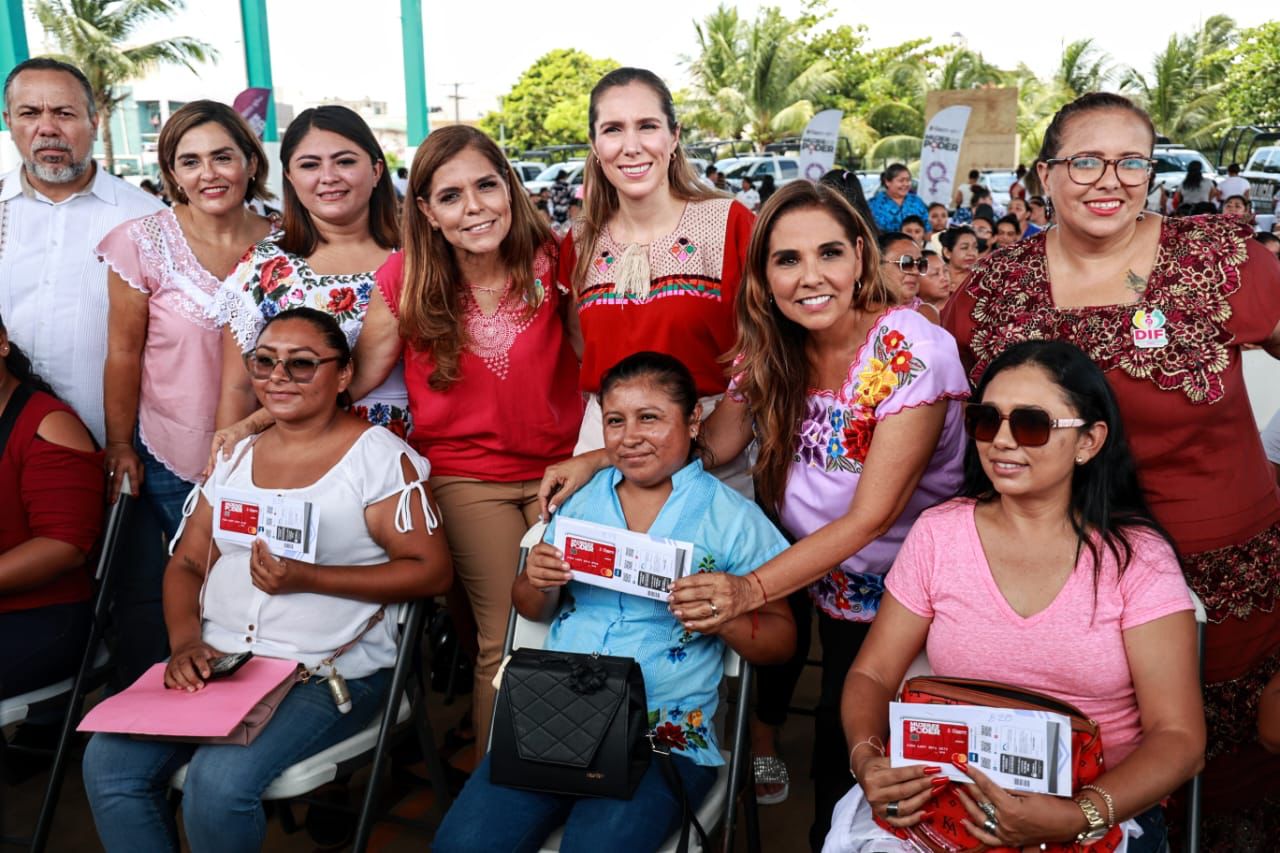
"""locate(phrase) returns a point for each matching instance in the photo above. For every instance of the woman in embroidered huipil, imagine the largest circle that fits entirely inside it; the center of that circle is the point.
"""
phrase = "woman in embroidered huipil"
(1163, 306)
(655, 484)
(339, 227)
(164, 363)
(491, 374)
(836, 381)
(656, 259)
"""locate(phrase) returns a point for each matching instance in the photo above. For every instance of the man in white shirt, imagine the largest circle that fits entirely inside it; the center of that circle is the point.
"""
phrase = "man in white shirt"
(54, 209)
(1233, 184)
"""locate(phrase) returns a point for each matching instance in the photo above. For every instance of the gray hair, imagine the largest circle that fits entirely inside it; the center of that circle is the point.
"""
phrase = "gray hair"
(46, 63)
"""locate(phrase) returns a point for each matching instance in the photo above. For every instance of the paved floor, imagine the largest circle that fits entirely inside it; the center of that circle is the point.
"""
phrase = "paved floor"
(784, 827)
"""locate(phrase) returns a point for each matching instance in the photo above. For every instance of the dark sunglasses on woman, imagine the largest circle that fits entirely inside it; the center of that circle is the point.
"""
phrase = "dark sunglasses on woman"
(1030, 427)
(296, 369)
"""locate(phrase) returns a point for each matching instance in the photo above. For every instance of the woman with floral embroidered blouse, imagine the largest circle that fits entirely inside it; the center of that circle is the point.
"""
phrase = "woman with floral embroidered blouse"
(654, 484)
(491, 374)
(1164, 306)
(656, 258)
(873, 387)
(339, 227)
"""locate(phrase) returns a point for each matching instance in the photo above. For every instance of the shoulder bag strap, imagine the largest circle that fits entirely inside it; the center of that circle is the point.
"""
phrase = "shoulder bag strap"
(688, 814)
(17, 402)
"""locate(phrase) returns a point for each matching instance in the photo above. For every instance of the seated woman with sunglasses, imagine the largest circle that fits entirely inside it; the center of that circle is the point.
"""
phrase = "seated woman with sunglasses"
(375, 546)
(1052, 552)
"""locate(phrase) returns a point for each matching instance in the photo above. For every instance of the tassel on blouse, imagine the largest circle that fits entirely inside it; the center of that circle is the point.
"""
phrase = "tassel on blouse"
(633, 272)
(404, 510)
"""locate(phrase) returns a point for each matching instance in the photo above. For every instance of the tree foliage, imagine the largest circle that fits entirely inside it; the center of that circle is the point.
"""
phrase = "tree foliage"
(1252, 87)
(91, 34)
(548, 104)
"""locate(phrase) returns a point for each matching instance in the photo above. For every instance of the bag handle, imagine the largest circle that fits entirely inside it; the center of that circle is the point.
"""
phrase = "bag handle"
(688, 815)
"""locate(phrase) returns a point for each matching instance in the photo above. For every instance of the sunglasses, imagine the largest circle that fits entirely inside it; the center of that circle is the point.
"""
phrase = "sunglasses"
(1030, 427)
(909, 264)
(296, 369)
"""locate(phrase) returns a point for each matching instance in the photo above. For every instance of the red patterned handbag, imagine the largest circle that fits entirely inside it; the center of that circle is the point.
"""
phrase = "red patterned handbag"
(942, 831)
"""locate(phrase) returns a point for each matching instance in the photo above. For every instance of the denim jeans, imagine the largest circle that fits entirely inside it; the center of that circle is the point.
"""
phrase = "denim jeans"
(1154, 832)
(488, 817)
(127, 780)
(163, 489)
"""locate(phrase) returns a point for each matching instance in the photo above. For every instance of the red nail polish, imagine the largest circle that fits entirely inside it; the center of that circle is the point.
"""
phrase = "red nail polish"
(959, 759)
(931, 770)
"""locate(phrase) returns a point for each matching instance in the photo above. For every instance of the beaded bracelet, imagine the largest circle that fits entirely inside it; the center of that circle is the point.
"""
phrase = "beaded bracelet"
(1106, 798)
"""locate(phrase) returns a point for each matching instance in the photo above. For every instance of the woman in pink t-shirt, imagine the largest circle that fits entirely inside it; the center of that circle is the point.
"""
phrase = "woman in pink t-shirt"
(1048, 573)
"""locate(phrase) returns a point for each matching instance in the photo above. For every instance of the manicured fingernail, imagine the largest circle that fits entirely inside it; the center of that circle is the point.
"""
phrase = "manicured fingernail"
(929, 812)
(932, 770)
(959, 759)
(939, 782)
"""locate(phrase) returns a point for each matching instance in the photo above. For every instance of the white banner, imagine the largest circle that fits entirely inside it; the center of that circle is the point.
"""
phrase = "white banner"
(940, 154)
(818, 144)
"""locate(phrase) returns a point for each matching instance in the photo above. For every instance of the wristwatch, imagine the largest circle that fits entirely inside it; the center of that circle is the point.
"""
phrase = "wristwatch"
(1097, 829)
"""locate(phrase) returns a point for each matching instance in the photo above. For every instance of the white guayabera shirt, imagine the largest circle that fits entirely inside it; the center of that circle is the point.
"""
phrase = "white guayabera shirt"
(53, 288)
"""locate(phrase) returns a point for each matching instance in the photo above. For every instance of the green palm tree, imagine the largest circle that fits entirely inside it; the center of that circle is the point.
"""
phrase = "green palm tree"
(92, 34)
(1183, 92)
(1083, 68)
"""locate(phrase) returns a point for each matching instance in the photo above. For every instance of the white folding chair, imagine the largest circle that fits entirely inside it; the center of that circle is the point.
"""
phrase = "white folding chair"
(720, 803)
(403, 702)
(1194, 792)
(68, 694)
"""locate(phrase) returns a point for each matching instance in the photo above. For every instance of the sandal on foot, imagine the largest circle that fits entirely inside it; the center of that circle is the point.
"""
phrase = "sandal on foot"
(770, 770)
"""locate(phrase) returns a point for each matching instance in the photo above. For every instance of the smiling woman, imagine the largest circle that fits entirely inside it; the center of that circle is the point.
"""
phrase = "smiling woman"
(1164, 307)
(339, 227)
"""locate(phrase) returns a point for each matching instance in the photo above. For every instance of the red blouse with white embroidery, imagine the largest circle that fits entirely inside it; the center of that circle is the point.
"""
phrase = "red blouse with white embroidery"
(516, 407)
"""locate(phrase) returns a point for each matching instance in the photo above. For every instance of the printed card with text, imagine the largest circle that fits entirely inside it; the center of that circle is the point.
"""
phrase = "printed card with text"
(289, 526)
(620, 559)
(1025, 751)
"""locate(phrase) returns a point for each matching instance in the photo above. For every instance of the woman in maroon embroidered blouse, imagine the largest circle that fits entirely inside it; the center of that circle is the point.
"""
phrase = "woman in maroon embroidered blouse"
(1163, 306)
(490, 369)
(52, 485)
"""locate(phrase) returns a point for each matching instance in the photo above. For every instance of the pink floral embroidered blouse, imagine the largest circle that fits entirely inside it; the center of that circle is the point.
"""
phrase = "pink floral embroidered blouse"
(182, 357)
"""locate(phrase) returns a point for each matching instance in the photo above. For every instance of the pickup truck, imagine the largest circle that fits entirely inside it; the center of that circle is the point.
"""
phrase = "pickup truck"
(1263, 174)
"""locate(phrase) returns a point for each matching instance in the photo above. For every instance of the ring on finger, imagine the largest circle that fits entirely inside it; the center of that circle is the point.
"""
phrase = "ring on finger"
(891, 809)
(989, 809)
(715, 611)
(991, 826)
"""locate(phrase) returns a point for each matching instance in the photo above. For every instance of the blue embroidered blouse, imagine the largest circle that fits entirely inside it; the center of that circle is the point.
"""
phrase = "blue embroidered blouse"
(889, 214)
(682, 670)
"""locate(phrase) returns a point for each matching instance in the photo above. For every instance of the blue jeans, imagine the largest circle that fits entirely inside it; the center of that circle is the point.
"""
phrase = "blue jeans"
(127, 780)
(1154, 832)
(488, 817)
(163, 489)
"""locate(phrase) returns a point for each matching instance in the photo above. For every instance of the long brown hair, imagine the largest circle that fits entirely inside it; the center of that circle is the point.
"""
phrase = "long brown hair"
(300, 234)
(194, 115)
(600, 198)
(769, 360)
(430, 304)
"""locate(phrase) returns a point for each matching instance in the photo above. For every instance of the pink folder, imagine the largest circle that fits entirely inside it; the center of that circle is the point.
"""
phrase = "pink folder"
(147, 708)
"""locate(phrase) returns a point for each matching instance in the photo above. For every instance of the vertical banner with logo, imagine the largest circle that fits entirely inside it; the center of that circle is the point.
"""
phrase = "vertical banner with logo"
(818, 144)
(252, 104)
(940, 154)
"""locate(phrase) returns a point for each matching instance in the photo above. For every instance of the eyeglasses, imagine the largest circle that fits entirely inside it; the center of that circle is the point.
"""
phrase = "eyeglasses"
(299, 370)
(1030, 427)
(909, 264)
(1086, 169)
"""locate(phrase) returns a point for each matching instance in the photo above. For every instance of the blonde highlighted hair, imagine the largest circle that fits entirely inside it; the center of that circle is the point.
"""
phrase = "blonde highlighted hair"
(600, 198)
(431, 310)
(771, 366)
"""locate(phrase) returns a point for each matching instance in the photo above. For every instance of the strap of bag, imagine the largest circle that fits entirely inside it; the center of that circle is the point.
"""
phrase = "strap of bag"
(17, 402)
(688, 815)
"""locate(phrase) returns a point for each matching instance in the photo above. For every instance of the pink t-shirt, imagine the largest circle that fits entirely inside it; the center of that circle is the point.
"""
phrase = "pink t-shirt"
(1070, 650)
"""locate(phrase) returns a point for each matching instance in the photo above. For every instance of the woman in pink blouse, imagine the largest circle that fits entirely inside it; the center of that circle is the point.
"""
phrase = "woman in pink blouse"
(164, 361)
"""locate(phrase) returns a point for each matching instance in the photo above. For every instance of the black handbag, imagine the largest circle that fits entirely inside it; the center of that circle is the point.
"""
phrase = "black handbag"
(570, 723)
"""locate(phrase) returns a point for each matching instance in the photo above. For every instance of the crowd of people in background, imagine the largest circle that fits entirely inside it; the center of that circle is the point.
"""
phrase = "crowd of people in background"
(927, 428)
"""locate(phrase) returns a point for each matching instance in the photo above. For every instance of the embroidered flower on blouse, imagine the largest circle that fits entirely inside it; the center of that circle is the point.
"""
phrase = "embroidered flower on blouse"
(815, 433)
(671, 735)
(342, 301)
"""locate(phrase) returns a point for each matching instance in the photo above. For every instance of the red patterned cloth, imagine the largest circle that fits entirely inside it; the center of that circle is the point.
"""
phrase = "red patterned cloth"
(1200, 460)
(688, 313)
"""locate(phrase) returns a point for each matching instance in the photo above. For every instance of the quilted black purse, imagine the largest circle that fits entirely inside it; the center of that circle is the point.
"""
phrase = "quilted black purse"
(571, 724)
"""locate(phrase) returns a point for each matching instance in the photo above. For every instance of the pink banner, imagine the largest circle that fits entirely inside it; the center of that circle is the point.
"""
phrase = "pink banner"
(252, 104)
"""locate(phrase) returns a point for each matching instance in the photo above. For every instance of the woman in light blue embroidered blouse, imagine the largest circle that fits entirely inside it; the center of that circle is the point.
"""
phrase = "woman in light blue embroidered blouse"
(656, 486)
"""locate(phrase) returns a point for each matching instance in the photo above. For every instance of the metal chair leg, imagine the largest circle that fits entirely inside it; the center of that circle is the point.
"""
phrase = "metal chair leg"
(738, 754)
